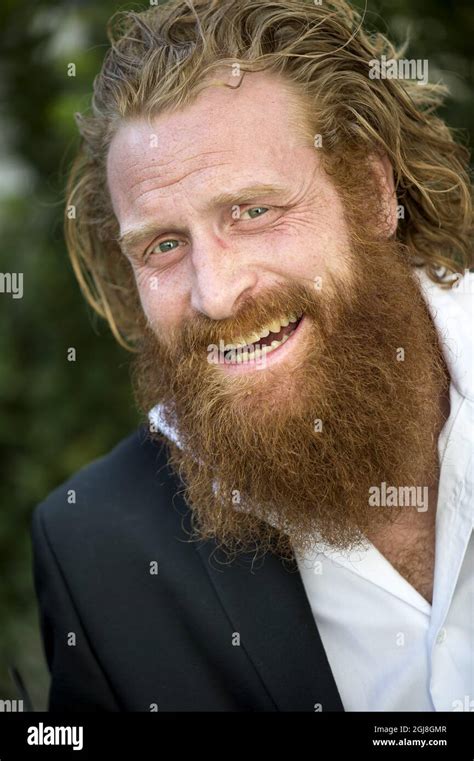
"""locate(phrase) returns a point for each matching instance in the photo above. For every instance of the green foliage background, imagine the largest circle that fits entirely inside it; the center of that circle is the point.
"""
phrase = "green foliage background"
(56, 415)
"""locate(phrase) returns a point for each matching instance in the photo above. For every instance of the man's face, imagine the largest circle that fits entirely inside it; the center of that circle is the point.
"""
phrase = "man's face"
(235, 204)
(293, 442)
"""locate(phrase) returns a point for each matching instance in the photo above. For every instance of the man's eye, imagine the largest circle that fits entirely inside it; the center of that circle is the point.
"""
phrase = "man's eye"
(165, 246)
(257, 211)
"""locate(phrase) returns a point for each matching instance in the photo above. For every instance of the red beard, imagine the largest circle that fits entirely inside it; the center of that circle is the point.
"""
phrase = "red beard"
(258, 468)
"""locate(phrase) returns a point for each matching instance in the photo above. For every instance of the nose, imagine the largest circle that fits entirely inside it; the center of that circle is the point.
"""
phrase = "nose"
(221, 278)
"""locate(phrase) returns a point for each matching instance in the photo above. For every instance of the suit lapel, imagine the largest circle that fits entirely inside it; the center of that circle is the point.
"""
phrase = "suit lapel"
(267, 605)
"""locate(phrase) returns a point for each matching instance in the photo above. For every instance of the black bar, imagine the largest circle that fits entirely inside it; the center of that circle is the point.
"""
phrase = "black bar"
(155, 735)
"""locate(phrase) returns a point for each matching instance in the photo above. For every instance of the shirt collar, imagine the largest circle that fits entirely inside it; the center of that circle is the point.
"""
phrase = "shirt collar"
(453, 316)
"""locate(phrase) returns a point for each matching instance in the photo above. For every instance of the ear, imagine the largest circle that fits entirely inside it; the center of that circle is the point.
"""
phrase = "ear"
(385, 181)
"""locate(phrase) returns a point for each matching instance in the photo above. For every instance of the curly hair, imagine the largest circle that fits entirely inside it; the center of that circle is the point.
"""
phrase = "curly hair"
(161, 58)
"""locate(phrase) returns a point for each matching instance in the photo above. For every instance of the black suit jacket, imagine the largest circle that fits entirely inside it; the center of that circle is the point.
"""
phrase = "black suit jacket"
(119, 638)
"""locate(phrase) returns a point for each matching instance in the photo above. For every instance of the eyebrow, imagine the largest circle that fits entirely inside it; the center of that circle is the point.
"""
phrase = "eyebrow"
(131, 239)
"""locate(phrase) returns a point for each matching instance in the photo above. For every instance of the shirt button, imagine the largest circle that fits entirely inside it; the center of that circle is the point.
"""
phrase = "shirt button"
(441, 636)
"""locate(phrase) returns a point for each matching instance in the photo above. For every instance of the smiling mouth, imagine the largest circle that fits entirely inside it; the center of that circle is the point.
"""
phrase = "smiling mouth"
(259, 345)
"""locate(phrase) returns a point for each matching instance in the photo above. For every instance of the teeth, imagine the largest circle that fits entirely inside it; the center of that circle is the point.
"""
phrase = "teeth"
(242, 357)
(275, 326)
(254, 337)
(272, 327)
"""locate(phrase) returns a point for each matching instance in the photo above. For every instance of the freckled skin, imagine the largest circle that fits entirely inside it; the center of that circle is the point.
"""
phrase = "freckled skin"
(170, 171)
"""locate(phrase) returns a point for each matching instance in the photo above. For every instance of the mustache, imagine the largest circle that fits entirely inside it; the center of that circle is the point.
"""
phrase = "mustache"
(254, 313)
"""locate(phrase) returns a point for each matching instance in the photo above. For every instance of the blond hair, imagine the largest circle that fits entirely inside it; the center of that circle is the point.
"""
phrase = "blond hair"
(160, 59)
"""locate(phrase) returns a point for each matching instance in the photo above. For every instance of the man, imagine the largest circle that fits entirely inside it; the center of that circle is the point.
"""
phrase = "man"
(280, 237)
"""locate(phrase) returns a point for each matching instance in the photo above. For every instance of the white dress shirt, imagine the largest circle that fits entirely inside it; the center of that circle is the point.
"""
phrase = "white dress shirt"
(388, 648)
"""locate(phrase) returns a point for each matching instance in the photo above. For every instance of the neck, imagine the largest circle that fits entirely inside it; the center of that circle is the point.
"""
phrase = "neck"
(409, 543)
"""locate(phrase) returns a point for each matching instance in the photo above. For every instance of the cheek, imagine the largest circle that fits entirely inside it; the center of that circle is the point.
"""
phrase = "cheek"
(162, 302)
(303, 249)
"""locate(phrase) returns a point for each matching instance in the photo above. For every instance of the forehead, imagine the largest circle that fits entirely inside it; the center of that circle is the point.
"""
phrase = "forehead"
(246, 129)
